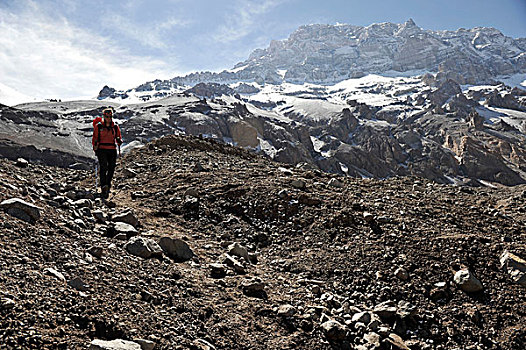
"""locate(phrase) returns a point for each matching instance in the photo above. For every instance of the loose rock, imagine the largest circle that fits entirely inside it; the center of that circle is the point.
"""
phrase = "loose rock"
(467, 282)
(176, 249)
(78, 284)
(21, 209)
(52, 272)
(117, 344)
(334, 330)
(126, 229)
(143, 247)
(238, 250)
(127, 218)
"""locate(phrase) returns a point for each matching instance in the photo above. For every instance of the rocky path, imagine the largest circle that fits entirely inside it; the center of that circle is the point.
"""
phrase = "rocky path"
(205, 246)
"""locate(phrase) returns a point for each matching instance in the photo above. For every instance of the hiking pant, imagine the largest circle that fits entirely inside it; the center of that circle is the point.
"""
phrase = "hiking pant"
(107, 160)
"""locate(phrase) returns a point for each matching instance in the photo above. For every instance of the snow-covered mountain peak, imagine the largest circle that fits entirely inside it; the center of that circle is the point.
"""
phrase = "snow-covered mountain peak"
(326, 54)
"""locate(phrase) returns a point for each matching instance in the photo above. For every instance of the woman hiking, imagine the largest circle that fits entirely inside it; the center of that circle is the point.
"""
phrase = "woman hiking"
(106, 137)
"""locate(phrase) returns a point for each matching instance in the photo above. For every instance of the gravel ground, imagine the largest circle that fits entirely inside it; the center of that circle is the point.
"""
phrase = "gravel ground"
(282, 257)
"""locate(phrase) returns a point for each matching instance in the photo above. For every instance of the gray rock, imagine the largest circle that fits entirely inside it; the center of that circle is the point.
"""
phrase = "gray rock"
(516, 267)
(59, 199)
(387, 309)
(83, 203)
(201, 344)
(80, 166)
(402, 274)
(72, 194)
(129, 173)
(335, 183)
(80, 223)
(518, 277)
(397, 341)
(21, 209)
(467, 282)
(299, 184)
(363, 317)
(52, 272)
(368, 217)
(373, 339)
(127, 218)
(191, 192)
(78, 284)
(286, 310)
(143, 247)
(238, 250)
(254, 288)
(96, 251)
(233, 263)
(99, 216)
(22, 163)
(145, 344)
(217, 270)
(117, 344)
(124, 228)
(405, 309)
(176, 249)
(334, 330)
(511, 261)
(283, 194)
(6, 303)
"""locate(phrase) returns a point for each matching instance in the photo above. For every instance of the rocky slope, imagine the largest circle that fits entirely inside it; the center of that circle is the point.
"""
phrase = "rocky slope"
(224, 249)
(370, 127)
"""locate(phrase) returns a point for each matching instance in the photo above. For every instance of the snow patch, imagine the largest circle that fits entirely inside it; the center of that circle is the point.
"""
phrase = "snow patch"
(12, 97)
(282, 73)
(238, 69)
(267, 148)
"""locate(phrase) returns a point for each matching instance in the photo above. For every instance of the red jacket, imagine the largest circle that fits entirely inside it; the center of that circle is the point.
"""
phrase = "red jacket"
(110, 136)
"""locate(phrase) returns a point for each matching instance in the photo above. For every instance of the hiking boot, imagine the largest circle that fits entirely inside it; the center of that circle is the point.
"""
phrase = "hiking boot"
(105, 192)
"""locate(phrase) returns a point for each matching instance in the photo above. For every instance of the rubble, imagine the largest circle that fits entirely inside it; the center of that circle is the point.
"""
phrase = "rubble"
(371, 267)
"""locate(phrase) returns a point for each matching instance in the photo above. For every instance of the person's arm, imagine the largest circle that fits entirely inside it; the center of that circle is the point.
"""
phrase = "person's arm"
(94, 140)
(119, 137)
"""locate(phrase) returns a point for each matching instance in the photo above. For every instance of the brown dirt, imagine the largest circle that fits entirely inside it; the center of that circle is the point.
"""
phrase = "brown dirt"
(315, 251)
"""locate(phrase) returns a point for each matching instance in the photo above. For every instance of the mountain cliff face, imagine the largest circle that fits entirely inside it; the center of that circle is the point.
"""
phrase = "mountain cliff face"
(327, 54)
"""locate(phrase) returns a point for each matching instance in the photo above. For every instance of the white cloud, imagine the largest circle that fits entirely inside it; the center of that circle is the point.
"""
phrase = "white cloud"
(147, 35)
(243, 20)
(47, 57)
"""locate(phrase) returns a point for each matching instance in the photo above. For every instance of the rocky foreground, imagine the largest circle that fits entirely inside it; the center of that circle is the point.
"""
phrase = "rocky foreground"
(206, 246)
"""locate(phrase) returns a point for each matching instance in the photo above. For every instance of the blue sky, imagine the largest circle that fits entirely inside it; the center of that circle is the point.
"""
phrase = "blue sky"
(71, 48)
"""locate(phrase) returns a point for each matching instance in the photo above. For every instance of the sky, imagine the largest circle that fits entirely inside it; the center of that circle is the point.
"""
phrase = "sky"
(71, 48)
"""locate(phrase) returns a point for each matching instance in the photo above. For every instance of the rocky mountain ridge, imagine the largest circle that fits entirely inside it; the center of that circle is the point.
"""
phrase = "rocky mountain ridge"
(423, 126)
(208, 246)
(328, 54)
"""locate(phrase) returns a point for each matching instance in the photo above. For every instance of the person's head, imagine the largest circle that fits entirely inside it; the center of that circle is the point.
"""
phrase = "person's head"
(108, 115)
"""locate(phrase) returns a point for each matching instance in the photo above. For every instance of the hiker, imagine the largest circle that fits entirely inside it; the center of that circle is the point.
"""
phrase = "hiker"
(106, 137)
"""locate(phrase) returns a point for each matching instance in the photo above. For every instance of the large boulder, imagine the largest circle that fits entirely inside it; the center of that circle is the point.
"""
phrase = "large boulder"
(21, 209)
